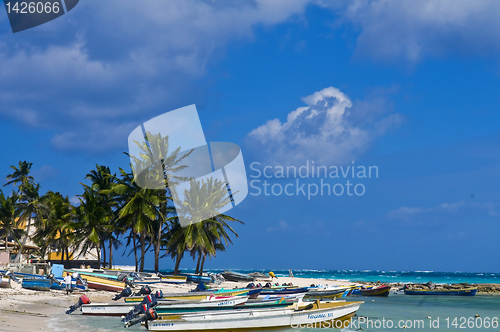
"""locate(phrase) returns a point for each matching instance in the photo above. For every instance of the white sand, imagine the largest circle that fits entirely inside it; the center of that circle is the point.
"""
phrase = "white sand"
(29, 310)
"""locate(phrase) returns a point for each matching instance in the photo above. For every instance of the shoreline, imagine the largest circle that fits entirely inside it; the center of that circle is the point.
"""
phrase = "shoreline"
(42, 308)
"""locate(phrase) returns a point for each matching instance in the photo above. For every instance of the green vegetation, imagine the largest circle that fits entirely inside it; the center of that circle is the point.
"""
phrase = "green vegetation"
(113, 209)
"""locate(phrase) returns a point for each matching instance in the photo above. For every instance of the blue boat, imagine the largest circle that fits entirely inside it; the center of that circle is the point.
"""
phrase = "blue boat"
(284, 291)
(455, 292)
(37, 284)
(62, 286)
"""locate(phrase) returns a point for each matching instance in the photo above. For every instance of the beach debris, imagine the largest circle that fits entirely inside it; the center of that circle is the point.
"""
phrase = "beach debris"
(84, 299)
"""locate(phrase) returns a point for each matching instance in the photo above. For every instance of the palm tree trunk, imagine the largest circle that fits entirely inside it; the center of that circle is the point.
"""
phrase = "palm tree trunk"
(98, 257)
(135, 251)
(203, 263)
(103, 246)
(143, 249)
(198, 263)
(157, 247)
(110, 265)
(177, 263)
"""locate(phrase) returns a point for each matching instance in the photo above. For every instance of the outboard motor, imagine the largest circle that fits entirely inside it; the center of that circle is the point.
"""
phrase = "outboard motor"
(267, 285)
(126, 292)
(159, 294)
(200, 288)
(54, 280)
(124, 278)
(81, 301)
(251, 285)
(149, 314)
(12, 277)
(79, 278)
(135, 275)
(145, 290)
(149, 301)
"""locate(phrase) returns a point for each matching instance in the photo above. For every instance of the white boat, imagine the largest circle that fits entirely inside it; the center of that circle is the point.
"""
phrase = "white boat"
(326, 291)
(119, 309)
(314, 314)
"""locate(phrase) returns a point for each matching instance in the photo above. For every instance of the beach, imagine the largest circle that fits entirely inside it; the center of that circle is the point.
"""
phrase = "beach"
(29, 310)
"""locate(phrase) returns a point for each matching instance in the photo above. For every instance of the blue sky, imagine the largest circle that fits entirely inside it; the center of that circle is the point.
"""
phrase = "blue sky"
(412, 88)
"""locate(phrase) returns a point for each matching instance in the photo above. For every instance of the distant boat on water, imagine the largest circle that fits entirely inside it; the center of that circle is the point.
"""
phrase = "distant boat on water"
(450, 292)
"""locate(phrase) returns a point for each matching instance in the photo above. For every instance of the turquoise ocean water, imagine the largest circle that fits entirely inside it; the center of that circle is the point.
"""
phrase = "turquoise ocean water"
(400, 310)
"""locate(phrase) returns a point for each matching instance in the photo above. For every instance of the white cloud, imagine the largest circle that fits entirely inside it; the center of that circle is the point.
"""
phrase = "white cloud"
(330, 129)
(282, 225)
(411, 30)
(408, 214)
(107, 64)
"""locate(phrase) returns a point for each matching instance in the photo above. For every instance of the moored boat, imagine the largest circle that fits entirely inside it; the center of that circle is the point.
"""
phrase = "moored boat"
(450, 292)
(103, 284)
(326, 292)
(196, 296)
(317, 313)
(376, 291)
(119, 309)
(236, 276)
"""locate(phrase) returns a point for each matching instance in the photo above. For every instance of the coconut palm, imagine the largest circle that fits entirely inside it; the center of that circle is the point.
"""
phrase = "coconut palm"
(92, 221)
(56, 228)
(208, 230)
(20, 175)
(102, 182)
(157, 166)
(138, 208)
(9, 218)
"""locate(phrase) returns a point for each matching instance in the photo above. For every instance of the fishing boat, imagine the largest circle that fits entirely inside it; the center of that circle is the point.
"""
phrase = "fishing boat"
(318, 313)
(455, 292)
(260, 276)
(283, 291)
(195, 296)
(236, 276)
(326, 292)
(36, 284)
(62, 285)
(173, 279)
(376, 291)
(119, 309)
(103, 284)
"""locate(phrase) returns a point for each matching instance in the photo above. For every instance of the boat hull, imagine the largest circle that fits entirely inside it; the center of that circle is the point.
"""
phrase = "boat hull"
(36, 284)
(378, 291)
(450, 292)
(253, 319)
(5, 282)
(104, 284)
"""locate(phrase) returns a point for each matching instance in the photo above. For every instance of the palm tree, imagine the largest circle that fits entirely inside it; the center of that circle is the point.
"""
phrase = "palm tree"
(138, 208)
(56, 228)
(28, 199)
(29, 207)
(20, 174)
(9, 218)
(102, 182)
(157, 168)
(92, 222)
(208, 230)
